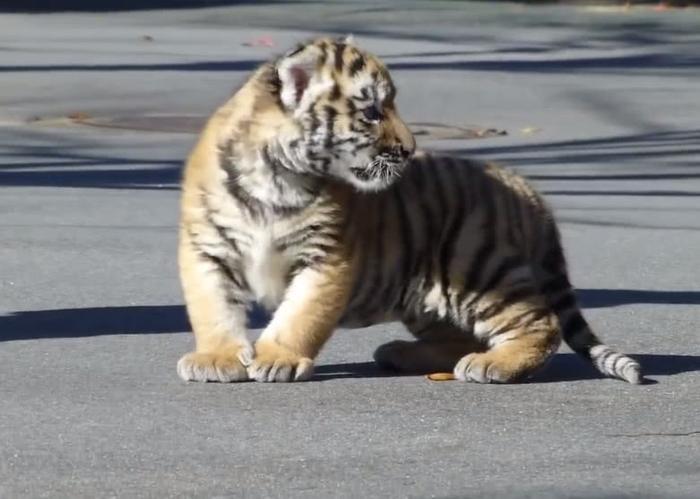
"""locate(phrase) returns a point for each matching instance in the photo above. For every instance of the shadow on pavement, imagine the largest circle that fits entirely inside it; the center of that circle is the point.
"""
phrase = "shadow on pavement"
(99, 321)
(246, 65)
(598, 298)
(571, 367)
(658, 146)
(84, 322)
(353, 370)
(563, 367)
(154, 319)
(117, 5)
(61, 167)
(161, 175)
(661, 61)
(646, 193)
(621, 32)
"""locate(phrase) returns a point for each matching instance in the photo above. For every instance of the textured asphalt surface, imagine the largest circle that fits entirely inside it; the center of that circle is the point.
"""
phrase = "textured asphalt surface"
(601, 110)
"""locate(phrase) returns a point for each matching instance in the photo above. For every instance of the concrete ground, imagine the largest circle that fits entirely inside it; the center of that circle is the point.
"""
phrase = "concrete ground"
(601, 109)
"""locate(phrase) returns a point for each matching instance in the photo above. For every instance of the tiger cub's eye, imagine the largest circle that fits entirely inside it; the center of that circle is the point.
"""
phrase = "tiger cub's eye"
(372, 113)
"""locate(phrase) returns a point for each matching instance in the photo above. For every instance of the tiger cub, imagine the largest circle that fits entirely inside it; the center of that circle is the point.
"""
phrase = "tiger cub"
(304, 194)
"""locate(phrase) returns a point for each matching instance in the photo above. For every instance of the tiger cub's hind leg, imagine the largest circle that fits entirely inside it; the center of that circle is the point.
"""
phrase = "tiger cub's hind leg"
(438, 348)
(522, 333)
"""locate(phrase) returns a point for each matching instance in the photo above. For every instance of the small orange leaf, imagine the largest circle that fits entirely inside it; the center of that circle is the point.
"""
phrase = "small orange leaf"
(78, 116)
(440, 376)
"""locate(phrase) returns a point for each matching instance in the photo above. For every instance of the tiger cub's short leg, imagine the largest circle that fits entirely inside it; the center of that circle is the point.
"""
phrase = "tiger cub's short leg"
(522, 333)
(312, 306)
(439, 347)
(218, 320)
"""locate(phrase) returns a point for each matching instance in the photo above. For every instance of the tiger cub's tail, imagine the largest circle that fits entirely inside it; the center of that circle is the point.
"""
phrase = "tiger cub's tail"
(578, 335)
(575, 330)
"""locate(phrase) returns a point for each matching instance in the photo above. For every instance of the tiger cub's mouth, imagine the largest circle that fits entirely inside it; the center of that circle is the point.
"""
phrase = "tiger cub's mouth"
(362, 173)
(379, 173)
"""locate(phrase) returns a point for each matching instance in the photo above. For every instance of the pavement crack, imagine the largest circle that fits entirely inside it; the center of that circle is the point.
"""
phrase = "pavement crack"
(665, 434)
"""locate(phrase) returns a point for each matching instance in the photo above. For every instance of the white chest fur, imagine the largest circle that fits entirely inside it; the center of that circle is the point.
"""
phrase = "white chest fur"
(266, 269)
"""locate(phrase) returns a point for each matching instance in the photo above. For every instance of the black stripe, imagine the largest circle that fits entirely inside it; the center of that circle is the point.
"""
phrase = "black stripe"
(297, 266)
(521, 212)
(274, 166)
(522, 320)
(512, 207)
(480, 259)
(420, 182)
(625, 360)
(358, 239)
(505, 266)
(601, 360)
(314, 255)
(232, 244)
(331, 114)
(339, 49)
(233, 186)
(226, 270)
(303, 234)
(488, 244)
(376, 259)
(454, 228)
(434, 170)
(351, 106)
(397, 278)
(295, 50)
(356, 65)
(324, 54)
(209, 212)
(315, 248)
(512, 296)
(335, 92)
(612, 361)
(286, 210)
(407, 248)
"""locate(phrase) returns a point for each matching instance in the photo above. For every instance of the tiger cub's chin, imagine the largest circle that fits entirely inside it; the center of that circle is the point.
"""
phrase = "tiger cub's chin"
(466, 254)
(367, 182)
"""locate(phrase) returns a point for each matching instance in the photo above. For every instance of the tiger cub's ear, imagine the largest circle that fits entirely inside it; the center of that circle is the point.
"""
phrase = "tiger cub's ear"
(296, 72)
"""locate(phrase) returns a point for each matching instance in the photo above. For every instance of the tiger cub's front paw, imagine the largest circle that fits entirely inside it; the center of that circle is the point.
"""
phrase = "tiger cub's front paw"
(274, 362)
(225, 365)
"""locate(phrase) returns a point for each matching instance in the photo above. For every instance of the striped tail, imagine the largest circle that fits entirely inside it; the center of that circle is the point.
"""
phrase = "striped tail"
(575, 330)
(578, 335)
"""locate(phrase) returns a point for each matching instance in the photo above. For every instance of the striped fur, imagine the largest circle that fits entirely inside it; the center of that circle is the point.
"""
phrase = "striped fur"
(304, 194)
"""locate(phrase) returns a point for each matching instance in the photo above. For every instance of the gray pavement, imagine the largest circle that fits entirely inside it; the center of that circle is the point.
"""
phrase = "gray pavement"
(601, 110)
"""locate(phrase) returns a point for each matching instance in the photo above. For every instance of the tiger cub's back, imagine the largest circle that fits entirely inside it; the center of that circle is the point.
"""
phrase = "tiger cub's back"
(437, 231)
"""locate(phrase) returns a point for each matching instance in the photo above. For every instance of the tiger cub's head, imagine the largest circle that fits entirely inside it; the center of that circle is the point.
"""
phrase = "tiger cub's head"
(341, 118)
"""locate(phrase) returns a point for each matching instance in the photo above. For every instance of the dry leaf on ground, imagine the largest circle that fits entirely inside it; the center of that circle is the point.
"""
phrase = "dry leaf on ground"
(440, 376)
(78, 116)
